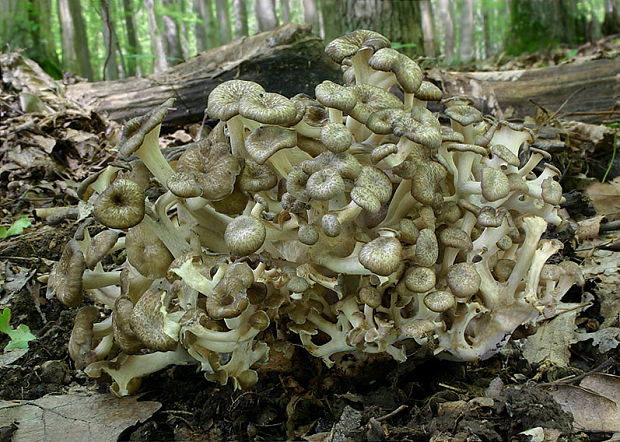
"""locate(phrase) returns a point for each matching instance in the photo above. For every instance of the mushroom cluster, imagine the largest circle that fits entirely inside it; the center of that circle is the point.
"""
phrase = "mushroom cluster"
(354, 223)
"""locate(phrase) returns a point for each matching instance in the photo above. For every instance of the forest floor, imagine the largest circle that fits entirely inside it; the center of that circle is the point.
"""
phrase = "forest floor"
(48, 145)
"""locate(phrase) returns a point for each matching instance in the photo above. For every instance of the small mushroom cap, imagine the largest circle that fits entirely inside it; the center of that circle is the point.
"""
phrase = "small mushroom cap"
(307, 234)
(504, 243)
(382, 151)
(382, 255)
(449, 212)
(351, 43)
(333, 95)
(425, 181)
(551, 272)
(330, 225)
(256, 177)
(228, 299)
(146, 252)
(464, 115)
(382, 121)
(408, 73)
(137, 128)
(495, 184)
(418, 328)
(420, 279)
(264, 141)
(80, 341)
(505, 154)
(370, 296)
(268, 108)
(551, 191)
(244, 235)
(376, 181)
(260, 321)
(183, 185)
(408, 231)
(457, 238)
(336, 137)
(439, 301)
(503, 269)
(426, 248)
(213, 166)
(463, 279)
(325, 185)
(516, 183)
(366, 199)
(147, 321)
(124, 336)
(297, 284)
(99, 246)
(223, 101)
(121, 205)
(65, 280)
(450, 135)
(371, 99)
(489, 217)
(428, 92)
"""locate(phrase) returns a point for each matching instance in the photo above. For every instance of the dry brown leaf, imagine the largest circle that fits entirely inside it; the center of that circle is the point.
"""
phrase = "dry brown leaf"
(97, 417)
(593, 410)
(606, 198)
(588, 228)
(552, 340)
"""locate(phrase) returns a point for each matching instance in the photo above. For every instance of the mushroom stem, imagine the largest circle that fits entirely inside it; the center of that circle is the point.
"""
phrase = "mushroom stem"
(335, 115)
(348, 213)
(95, 280)
(237, 136)
(150, 154)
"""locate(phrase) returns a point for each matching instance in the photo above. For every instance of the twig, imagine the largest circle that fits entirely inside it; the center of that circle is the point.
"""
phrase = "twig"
(569, 380)
(392, 413)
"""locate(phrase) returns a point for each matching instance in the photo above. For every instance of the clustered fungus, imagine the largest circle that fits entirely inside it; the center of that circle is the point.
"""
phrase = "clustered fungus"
(354, 223)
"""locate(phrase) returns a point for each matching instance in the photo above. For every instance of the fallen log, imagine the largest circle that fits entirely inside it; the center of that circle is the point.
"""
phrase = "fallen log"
(290, 60)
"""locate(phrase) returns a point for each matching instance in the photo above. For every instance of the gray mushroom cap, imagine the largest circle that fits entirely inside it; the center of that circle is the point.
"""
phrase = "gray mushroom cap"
(382, 255)
(146, 252)
(137, 128)
(351, 43)
(420, 279)
(307, 234)
(184, 185)
(244, 235)
(264, 141)
(463, 279)
(268, 108)
(325, 185)
(336, 137)
(121, 205)
(333, 95)
(65, 280)
(223, 101)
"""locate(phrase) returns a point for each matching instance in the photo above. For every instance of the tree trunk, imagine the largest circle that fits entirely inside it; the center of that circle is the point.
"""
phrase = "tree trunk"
(133, 45)
(333, 26)
(75, 54)
(445, 18)
(611, 23)
(223, 18)
(311, 15)
(240, 13)
(288, 60)
(285, 8)
(428, 30)
(157, 44)
(265, 11)
(205, 28)
(174, 52)
(110, 65)
(466, 47)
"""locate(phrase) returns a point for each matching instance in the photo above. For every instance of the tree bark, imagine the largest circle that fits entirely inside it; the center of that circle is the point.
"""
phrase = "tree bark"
(445, 18)
(311, 15)
(133, 45)
(157, 44)
(466, 47)
(174, 52)
(205, 28)
(611, 22)
(75, 53)
(288, 60)
(223, 18)
(110, 65)
(265, 11)
(428, 30)
(285, 8)
(334, 25)
(240, 14)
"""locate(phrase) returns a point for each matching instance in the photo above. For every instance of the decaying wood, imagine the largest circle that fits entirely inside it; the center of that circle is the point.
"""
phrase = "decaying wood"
(288, 60)
(590, 88)
(291, 60)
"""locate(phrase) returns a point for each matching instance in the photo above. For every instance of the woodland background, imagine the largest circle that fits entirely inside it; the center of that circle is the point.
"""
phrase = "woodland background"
(112, 39)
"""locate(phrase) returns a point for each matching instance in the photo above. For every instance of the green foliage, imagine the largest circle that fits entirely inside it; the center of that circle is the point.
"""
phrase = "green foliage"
(16, 228)
(19, 336)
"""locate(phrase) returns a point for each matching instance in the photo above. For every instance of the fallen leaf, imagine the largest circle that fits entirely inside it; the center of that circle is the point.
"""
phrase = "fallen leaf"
(605, 339)
(606, 198)
(96, 417)
(552, 340)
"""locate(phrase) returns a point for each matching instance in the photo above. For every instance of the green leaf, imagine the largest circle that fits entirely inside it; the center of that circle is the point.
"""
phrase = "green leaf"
(16, 228)
(19, 336)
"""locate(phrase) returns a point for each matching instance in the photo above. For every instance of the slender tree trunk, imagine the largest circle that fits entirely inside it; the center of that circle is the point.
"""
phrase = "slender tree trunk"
(285, 8)
(466, 48)
(428, 30)
(445, 18)
(611, 22)
(265, 11)
(157, 44)
(311, 15)
(206, 27)
(75, 54)
(223, 18)
(240, 14)
(174, 52)
(133, 45)
(110, 68)
(183, 34)
(333, 13)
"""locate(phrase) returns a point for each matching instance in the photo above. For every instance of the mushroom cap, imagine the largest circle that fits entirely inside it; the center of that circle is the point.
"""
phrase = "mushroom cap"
(418, 328)
(376, 181)
(268, 108)
(336, 137)
(213, 166)
(428, 92)
(146, 252)
(351, 43)
(449, 212)
(366, 199)
(504, 243)
(420, 279)
(371, 99)
(551, 191)
(457, 238)
(325, 184)
(255, 177)
(502, 152)
(80, 341)
(183, 185)
(439, 301)
(244, 235)
(228, 299)
(382, 151)
(426, 248)
(408, 73)
(121, 205)
(147, 320)
(489, 217)
(307, 234)
(414, 130)
(124, 336)
(296, 184)
(382, 121)
(370, 296)
(264, 141)
(382, 255)
(408, 231)
(494, 183)
(463, 279)
(65, 280)
(223, 101)
(297, 284)
(464, 115)
(333, 95)
(330, 225)
(427, 176)
(450, 135)
(99, 246)
(137, 128)
(464, 147)
(503, 269)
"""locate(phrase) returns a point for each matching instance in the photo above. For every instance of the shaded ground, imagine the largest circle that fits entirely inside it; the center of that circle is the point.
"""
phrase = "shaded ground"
(437, 400)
